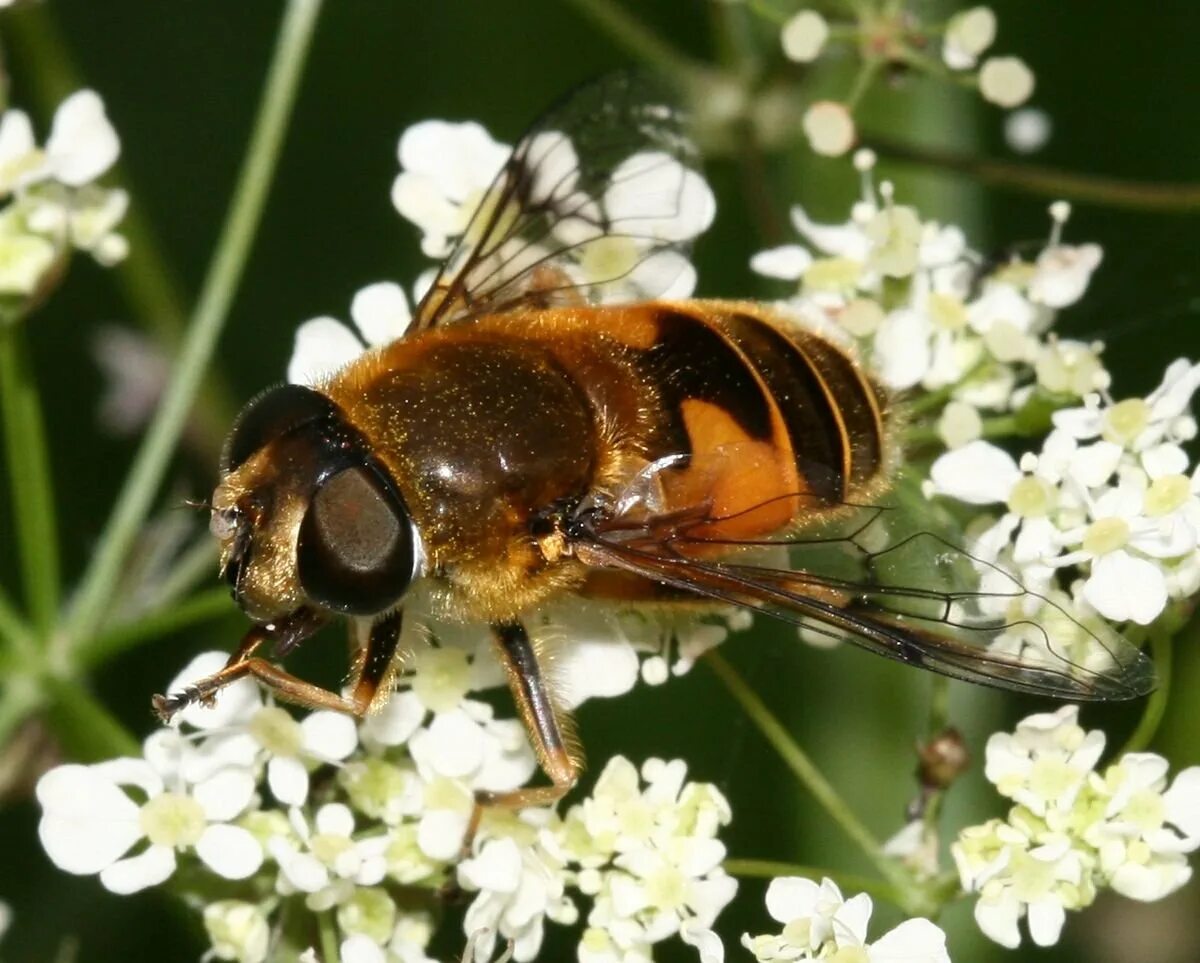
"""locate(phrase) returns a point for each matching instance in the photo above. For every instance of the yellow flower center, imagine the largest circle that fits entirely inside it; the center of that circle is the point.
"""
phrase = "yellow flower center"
(1031, 497)
(947, 312)
(172, 820)
(277, 731)
(1106, 535)
(832, 274)
(1166, 494)
(1124, 421)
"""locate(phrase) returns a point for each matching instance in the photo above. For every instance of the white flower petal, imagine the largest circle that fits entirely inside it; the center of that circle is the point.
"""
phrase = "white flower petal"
(1124, 588)
(226, 793)
(230, 851)
(708, 943)
(913, 941)
(978, 473)
(596, 668)
(395, 723)
(150, 868)
(902, 352)
(335, 819)
(288, 780)
(441, 832)
(323, 345)
(497, 868)
(787, 263)
(381, 312)
(850, 921)
(87, 822)
(452, 745)
(82, 143)
(328, 735)
(361, 949)
(998, 921)
(1046, 919)
(457, 157)
(791, 897)
(1182, 802)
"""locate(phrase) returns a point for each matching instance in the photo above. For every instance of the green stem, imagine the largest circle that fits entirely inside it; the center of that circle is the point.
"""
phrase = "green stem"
(641, 42)
(29, 475)
(847, 882)
(18, 699)
(148, 283)
(162, 622)
(225, 271)
(13, 631)
(197, 562)
(327, 928)
(1047, 181)
(800, 764)
(1156, 704)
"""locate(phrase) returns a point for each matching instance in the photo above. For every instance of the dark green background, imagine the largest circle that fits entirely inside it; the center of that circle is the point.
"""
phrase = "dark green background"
(181, 80)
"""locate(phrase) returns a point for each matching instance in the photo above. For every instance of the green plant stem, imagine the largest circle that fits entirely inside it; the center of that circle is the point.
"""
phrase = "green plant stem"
(800, 764)
(19, 698)
(197, 562)
(1156, 704)
(1001, 426)
(149, 284)
(327, 929)
(847, 882)
(641, 42)
(13, 631)
(200, 608)
(1046, 181)
(225, 271)
(29, 475)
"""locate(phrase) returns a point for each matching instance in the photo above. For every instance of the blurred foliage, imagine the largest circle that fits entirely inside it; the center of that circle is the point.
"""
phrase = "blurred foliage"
(181, 80)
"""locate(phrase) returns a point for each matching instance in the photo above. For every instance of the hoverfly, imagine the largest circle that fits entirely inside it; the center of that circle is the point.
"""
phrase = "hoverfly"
(528, 438)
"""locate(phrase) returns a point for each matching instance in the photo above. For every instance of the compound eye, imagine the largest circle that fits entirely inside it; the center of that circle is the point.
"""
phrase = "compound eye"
(357, 551)
(271, 414)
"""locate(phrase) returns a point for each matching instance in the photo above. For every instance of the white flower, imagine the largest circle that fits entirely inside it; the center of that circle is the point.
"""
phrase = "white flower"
(518, 887)
(968, 34)
(819, 923)
(1045, 763)
(445, 170)
(6, 915)
(1063, 273)
(804, 36)
(1006, 81)
(82, 143)
(329, 861)
(829, 128)
(90, 822)
(237, 930)
(1027, 130)
(24, 258)
(380, 313)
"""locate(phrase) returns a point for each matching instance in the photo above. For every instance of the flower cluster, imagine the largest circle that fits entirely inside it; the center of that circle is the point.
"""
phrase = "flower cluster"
(257, 809)
(927, 312)
(1111, 495)
(887, 34)
(819, 924)
(1073, 829)
(54, 204)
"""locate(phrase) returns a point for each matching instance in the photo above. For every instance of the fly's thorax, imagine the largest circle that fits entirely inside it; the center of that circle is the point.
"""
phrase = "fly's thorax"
(482, 433)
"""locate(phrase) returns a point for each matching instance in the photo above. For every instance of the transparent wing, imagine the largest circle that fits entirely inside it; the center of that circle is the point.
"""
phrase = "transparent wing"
(598, 202)
(869, 575)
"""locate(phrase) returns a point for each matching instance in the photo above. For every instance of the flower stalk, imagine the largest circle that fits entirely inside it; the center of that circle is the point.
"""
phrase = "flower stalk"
(212, 309)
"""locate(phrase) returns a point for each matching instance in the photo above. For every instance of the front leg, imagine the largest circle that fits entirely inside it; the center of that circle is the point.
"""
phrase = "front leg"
(365, 687)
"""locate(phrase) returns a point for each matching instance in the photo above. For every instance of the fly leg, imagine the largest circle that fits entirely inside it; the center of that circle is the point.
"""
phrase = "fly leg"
(366, 690)
(547, 722)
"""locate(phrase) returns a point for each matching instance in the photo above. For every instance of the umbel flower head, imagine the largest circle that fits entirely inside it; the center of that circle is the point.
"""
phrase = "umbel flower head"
(1074, 829)
(53, 203)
